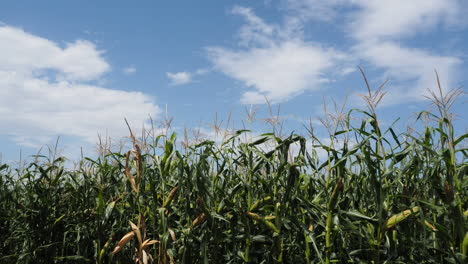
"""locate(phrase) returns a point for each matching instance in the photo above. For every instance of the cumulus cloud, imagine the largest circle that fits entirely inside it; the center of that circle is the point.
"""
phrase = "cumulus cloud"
(179, 78)
(410, 70)
(25, 52)
(379, 33)
(185, 77)
(274, 63)
(44, 91)
(379, 29)
(396, 18)
(278, 72)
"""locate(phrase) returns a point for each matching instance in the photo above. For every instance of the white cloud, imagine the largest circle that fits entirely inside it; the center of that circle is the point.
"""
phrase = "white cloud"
(378, 32)
(410, 70)
(383, 18)
(256, 30)
(179, 78)
(202, 71)
(378, 28)
(273, 62)
(378, 19)
(277, 72)
(43, 93)
(348, 70)
(22, 51)
(129, 70)
(316, 9)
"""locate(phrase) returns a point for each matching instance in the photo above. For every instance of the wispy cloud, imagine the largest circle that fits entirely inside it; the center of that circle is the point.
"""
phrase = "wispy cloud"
(316, 9)
(44, 91)
(275, 63)
(129, 70)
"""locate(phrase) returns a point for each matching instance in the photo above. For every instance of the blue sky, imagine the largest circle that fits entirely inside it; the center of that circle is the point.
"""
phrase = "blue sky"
(76, 69)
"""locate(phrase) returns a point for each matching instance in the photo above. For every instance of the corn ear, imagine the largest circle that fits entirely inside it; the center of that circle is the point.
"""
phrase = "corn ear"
(199, 220)
(259, 218)
(172, 233)
(270, 217)
(336, 191)
(171, 197)
(255, 216)
(136, 230)
(395, 219)
(149, 242)
(464, 247)
(271, 226)
(129, 174)
(145, 257)
(259, 203)
(104, 249)
(123, 242)
(431, 226)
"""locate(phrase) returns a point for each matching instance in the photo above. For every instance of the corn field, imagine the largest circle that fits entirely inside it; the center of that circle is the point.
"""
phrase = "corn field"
(378, 196)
